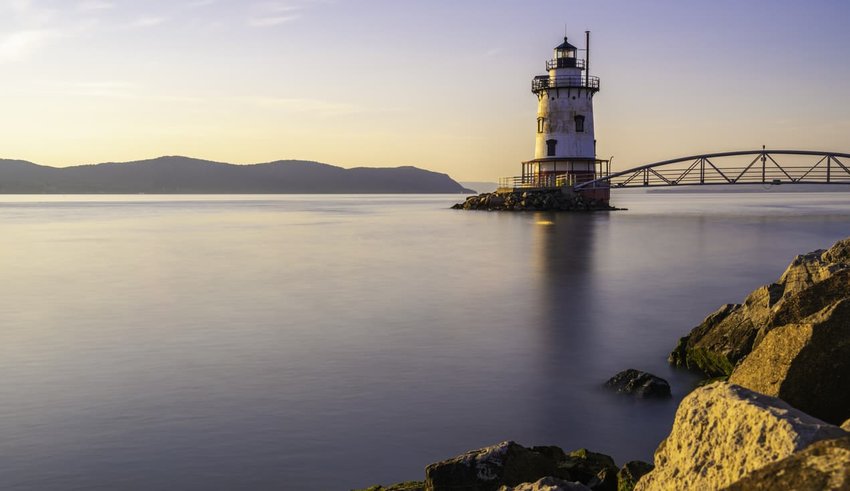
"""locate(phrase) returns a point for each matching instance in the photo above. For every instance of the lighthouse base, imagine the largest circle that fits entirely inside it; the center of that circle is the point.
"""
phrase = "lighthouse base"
(602, 194)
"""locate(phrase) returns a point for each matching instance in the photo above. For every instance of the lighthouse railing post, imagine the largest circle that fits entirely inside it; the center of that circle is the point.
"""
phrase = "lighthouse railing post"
(587, 59)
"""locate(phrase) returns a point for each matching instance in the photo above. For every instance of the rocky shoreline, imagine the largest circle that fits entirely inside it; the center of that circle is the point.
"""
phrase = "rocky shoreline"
(564, 199)
(767, 417)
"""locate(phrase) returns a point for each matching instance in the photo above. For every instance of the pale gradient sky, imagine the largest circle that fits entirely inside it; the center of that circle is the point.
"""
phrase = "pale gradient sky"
(440, 84)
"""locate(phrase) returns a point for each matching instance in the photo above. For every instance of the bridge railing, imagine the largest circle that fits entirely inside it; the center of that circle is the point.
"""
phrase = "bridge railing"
(768, 167)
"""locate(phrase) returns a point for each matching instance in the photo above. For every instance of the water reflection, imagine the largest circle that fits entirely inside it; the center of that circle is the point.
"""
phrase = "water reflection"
(584, 336)
(564, 255)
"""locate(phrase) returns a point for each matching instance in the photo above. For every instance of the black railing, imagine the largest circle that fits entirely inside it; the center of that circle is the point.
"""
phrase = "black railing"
(544, 82)
(541, 181)
(564, 63)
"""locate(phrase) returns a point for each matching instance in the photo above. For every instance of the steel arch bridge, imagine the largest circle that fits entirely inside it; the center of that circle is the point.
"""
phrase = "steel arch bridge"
(766, 167)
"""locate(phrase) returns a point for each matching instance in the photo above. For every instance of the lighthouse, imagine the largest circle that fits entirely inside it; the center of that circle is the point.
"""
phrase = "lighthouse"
(565, 141)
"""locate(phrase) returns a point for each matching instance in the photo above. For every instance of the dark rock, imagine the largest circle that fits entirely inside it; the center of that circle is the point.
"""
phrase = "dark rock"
(597, 471)
(824, 465)
(488, 468)
(511, 464)
(631, 473)
(640, 384)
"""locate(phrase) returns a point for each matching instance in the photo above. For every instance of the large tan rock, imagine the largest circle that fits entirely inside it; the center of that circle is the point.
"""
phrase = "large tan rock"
(846, 426)
(811, 282)
(804, 271)
(806, 364)
(795, 308)
(822, 466)
(723, 432)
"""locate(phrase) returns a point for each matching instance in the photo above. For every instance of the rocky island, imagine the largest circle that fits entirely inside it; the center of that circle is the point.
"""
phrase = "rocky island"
(560, 199)
(773, 413)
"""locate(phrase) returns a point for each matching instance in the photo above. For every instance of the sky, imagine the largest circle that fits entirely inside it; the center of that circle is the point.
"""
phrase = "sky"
(439, 84)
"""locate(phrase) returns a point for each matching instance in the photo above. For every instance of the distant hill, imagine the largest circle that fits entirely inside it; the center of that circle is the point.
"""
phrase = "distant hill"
(480, 187)
(183, 175)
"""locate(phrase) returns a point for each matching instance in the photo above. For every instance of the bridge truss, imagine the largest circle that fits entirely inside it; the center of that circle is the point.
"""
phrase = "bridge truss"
(766, 167)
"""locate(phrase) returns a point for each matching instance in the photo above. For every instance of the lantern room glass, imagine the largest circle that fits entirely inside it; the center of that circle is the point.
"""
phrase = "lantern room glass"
(565, 53)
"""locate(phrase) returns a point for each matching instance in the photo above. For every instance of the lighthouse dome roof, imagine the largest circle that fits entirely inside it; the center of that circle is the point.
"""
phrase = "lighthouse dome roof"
(565, 45)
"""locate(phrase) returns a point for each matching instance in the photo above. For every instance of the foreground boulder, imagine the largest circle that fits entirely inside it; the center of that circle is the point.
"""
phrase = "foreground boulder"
(640, 384)
(510, 464)
(824, 465)
(811, 283)
(806, 364)
(723, 432)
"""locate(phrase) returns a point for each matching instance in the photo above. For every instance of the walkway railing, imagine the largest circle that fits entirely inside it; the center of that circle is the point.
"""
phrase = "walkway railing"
(767, 167)
(536, 182)
(544, 82)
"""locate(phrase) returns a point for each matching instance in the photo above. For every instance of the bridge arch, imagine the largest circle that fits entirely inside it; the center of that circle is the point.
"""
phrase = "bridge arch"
(725, 168)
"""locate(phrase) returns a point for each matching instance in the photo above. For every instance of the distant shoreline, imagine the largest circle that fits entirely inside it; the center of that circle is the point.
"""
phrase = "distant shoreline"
(184, 175)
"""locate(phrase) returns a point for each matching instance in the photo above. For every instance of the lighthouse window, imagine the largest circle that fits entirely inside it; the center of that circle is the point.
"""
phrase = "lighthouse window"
(540, 123)
(579, 124)
(550, 147)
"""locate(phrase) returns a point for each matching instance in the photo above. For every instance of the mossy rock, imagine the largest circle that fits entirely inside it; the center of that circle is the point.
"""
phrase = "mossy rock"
(710, 362)
(631, 473)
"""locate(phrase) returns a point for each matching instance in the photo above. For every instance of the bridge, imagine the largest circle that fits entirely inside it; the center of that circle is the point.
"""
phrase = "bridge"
(765, 167)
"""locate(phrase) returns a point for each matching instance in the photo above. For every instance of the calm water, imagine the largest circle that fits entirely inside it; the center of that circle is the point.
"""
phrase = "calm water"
(324, 343)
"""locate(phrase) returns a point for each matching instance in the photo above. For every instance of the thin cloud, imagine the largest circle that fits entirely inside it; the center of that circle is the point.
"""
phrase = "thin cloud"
(26, 13)
(148, 21)
(110, 89)
(90, 5)
(18, 45)
(272, 21)
(272, 14)
(300, 105)
(199, 3)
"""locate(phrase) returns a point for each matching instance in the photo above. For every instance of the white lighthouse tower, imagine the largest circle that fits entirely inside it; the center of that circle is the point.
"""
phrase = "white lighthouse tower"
(565, 144)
